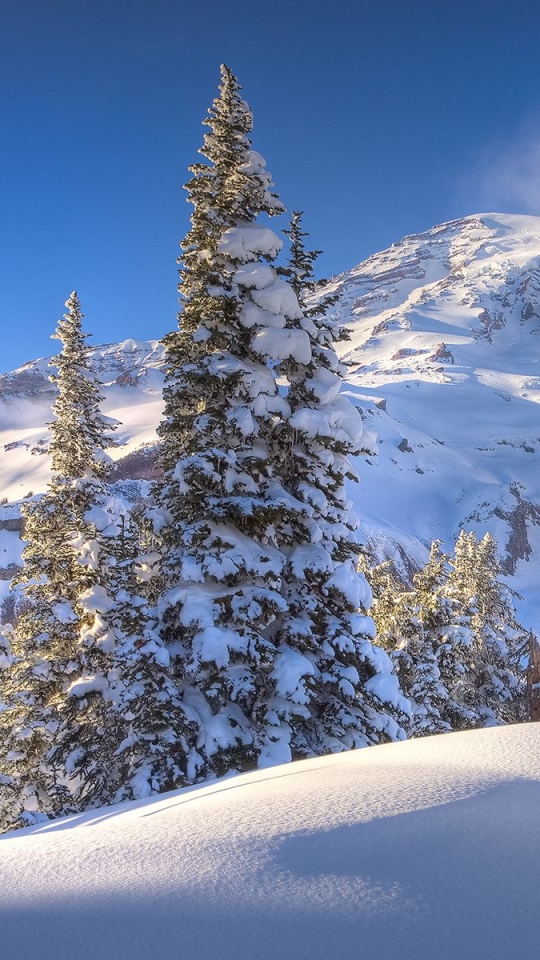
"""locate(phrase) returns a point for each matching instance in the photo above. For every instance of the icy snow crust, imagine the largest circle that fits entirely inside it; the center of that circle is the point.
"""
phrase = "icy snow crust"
(419, 850)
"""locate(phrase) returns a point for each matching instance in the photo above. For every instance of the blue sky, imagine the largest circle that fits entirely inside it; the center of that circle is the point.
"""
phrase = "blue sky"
(377, 119)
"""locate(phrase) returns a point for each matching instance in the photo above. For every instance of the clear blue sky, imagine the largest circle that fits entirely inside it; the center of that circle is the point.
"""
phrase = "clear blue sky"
(376, 118)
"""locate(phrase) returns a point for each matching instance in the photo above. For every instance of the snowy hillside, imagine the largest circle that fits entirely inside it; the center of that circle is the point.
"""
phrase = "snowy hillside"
(419, 850)
(444, 360)
(445, 346)
(132, 375)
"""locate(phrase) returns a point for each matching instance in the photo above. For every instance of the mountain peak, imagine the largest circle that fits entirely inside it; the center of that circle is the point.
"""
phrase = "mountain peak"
(456, 284)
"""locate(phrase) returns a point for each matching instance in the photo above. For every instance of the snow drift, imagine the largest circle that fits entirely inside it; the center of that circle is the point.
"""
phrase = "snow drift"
(419, 850)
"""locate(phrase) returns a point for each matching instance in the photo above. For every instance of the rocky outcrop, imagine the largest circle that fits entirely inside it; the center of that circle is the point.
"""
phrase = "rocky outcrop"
(139, 465)
(519, 520)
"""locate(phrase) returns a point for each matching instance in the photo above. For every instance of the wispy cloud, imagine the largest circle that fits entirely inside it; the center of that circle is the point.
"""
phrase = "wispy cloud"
(507, 175)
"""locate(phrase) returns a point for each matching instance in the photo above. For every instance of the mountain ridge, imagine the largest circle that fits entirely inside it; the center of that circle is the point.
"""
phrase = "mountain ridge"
(443, 359)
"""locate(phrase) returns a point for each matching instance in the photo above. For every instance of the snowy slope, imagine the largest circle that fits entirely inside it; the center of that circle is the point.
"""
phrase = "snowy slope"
(445, 357)
(445, 361)
(132, 376)
(419, 850)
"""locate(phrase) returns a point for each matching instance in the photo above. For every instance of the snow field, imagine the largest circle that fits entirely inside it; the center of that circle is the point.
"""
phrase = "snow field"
(419, 850)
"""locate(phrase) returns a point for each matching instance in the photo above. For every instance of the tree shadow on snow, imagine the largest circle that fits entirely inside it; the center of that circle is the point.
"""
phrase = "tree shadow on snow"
(459, 880)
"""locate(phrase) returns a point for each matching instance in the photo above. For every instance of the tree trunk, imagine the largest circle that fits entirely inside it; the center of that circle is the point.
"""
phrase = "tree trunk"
(533, 678)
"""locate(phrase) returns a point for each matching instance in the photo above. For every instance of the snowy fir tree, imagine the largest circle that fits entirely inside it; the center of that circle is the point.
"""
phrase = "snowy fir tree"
(455, 651)
(64, 716)
(146, 752)
(302, 277)
(454, 638)
(410, 624)
(220, 498)
(45, 643)
(228, 511)
(495, 687)
(334, 689)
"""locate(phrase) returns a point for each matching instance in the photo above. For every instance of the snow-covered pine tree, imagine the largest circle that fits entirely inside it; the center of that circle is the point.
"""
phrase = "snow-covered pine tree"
(494, 690)
(333, 688)
(146, 749)
(422, 627)
(455, 639)
(45, 642)
(386, 591)
(65, 693)
(410, 624)
(455, 654)
(219, 499)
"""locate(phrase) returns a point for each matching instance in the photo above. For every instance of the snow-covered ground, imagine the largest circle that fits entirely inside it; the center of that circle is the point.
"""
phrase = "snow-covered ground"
(425, 850)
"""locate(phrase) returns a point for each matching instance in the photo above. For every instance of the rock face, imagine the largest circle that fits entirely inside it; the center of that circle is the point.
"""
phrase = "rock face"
(139, 465)
(444, 363)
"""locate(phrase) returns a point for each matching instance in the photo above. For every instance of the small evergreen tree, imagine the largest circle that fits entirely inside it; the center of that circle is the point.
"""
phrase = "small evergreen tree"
(410, 624)
(455, 639)
(495, 691)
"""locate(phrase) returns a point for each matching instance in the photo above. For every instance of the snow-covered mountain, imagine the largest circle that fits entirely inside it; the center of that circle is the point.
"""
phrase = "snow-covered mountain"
(424, 850)
(132, 376)
(445, 359)
(445, 363)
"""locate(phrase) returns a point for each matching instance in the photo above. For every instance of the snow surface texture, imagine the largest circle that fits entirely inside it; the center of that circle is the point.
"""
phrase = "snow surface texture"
(444, 364)
(419, 850)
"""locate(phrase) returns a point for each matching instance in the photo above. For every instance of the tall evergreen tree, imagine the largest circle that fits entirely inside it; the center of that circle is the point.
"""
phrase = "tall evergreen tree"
(64, 718)
(45, 643)
(220, 499)
(334, 688)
